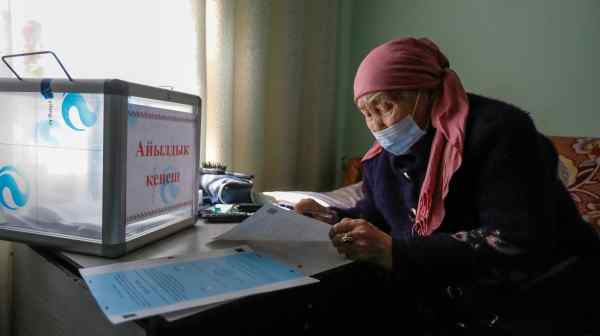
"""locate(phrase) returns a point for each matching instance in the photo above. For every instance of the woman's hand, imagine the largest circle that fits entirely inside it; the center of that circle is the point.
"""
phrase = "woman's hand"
(311, 208)
(358, 239)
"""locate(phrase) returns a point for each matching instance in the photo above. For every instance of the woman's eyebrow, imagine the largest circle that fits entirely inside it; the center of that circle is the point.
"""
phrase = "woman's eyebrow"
(362, 107)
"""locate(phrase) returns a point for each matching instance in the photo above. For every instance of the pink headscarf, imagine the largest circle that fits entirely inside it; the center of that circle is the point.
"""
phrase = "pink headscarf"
(413, 64)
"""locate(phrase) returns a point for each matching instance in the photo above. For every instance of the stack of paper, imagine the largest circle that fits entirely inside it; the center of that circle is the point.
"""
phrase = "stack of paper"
(286, 236)
(289, 237)
(133, 290)
(286, 248)
(272, 223)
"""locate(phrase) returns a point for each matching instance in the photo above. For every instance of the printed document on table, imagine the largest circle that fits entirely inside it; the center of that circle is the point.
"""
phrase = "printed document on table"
(288, 237)
(133, 290)
(310, 258)
(272, 223)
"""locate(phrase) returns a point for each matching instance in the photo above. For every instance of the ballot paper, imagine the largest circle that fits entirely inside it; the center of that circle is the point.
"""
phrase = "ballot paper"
(288, 237)
(272, 223)
(133, 290)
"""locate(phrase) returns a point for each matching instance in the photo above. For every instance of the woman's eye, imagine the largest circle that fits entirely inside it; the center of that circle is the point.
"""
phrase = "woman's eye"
(389, 108)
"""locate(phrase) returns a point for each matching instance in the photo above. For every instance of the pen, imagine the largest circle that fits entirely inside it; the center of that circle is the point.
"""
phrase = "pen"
(285, 206)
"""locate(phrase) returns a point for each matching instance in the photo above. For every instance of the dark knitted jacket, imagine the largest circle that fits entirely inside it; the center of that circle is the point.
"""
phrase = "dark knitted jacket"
(508, 216)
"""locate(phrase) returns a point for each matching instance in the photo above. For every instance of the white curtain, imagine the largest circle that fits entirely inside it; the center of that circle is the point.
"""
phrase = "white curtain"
(153, 42)
(271, 74)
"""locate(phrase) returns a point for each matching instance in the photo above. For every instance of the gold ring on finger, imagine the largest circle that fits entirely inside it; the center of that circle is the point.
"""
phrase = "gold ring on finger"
(346, 238)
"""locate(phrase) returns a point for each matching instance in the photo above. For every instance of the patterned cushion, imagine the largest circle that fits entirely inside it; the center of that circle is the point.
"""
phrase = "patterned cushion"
(579, 169)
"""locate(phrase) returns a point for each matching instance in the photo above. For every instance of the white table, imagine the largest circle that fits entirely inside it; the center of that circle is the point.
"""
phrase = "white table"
(51, 298)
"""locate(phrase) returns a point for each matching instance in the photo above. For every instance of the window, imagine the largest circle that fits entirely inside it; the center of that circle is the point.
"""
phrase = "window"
(151, 42)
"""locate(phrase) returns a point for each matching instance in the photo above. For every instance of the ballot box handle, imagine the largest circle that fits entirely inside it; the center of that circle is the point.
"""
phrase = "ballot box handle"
(32, 54)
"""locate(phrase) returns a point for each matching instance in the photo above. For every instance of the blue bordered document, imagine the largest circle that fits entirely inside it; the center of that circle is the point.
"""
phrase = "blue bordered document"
(138, 289)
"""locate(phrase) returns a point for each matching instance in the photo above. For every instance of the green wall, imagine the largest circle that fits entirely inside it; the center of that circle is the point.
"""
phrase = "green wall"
(541, 55)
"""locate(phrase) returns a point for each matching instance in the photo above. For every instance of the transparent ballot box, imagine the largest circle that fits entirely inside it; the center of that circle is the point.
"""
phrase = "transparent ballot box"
(96, 166)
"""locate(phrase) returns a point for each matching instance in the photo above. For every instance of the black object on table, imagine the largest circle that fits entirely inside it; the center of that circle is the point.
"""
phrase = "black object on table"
(237, 213)
(224, 217)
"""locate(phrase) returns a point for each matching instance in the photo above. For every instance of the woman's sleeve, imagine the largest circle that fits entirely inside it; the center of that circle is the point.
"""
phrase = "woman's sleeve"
(364, 208)
(513, 203)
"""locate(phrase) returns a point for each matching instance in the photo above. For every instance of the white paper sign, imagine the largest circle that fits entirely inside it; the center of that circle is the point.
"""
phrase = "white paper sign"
(160, 161)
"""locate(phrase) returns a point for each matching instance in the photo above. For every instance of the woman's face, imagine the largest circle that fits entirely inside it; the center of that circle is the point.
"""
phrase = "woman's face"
(383, 111)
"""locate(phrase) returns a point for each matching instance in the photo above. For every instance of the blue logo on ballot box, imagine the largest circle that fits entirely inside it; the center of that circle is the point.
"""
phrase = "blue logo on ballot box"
(170, 189)
(87, 117)
(16, 185)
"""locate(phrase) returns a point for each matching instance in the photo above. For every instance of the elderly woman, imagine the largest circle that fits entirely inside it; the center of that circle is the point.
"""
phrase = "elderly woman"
(461, 192)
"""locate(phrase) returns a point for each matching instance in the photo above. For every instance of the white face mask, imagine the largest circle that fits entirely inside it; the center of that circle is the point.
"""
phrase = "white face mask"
(398, 138)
